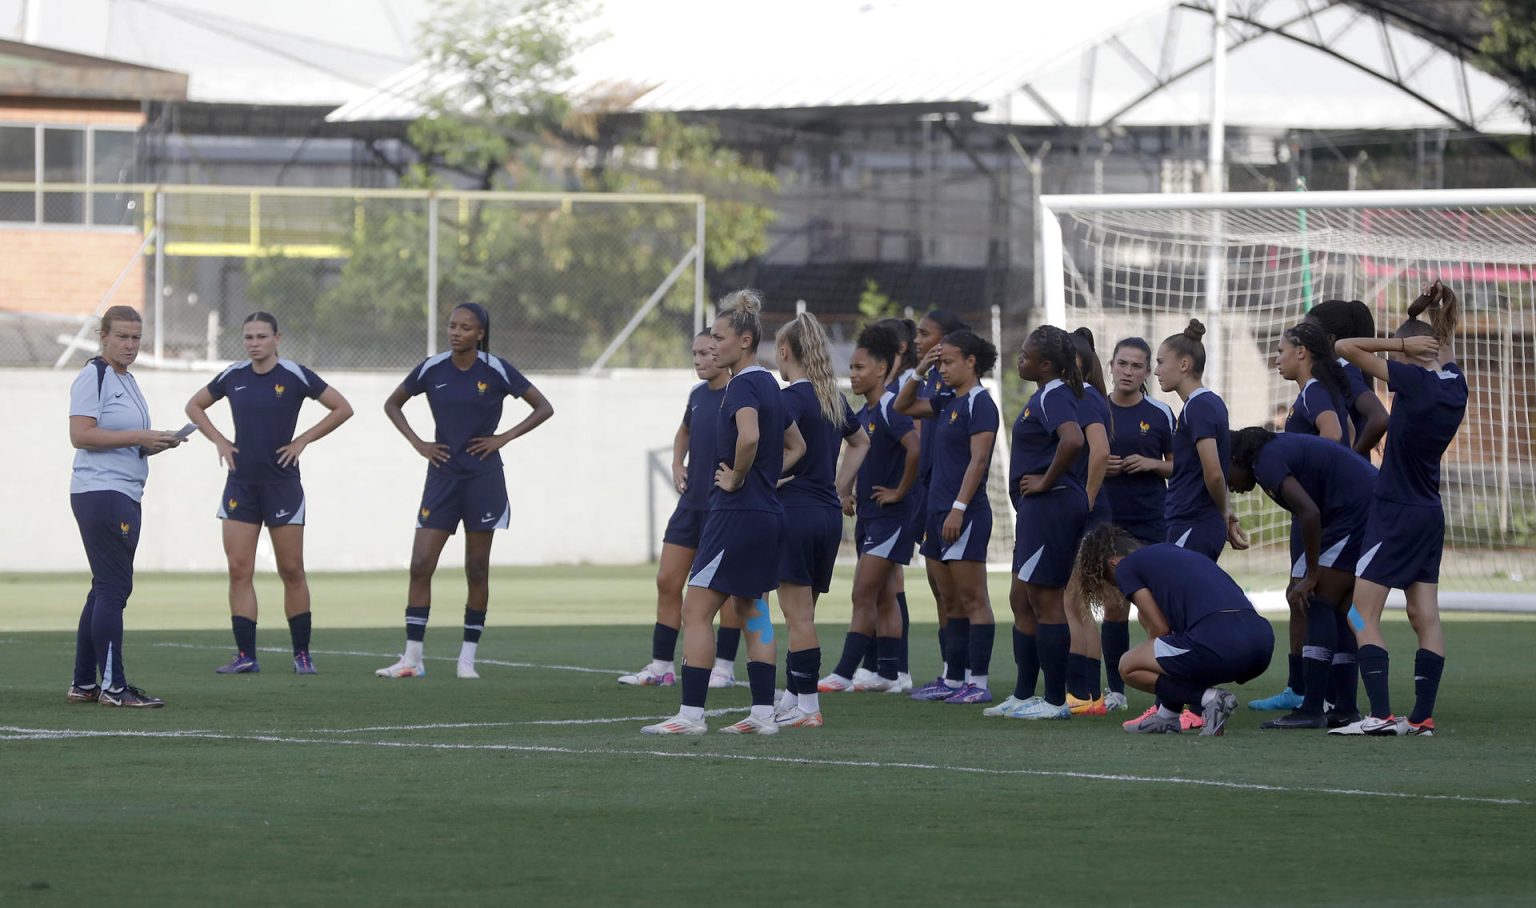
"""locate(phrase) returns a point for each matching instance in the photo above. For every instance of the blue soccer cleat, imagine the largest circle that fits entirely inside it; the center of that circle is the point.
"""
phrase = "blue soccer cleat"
(1285, 701)
(302, 664)
(240, 665)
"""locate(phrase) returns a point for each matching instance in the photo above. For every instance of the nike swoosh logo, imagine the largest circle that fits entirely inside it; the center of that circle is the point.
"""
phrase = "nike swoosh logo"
(117, 395)
(240, 387)
(487, 519)
(443, 385)
(280, 514)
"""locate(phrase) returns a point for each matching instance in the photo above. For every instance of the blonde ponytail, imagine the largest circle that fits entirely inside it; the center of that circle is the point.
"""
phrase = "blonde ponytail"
(808, 342)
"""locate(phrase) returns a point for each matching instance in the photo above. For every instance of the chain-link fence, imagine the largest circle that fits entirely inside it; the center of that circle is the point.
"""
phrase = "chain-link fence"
(357, 278)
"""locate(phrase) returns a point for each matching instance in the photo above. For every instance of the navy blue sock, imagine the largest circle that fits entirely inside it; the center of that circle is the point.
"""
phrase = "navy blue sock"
(1296, 677)
(957, 644)
(1345, 680)
(1115, 637)
(695, 685)
(663, 643)
(85, 650)
(727, 642)
(1026, 655)
(978, 651)
(1317, 654)
(888, 653)
(107, 635)
(1175, 695)
(474, 624)
(416, 622)
(943, 646)
(1083, 677)
(1427, 668)
(1054, 642)
(760, 678)
(1373, 674)
(903, 653)
(802, 669)
(245, 635)
(298, 631)
(855, 645)
(871, 660)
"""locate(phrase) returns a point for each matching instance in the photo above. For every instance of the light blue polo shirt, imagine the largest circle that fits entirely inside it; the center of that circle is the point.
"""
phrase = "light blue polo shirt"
(115, 402)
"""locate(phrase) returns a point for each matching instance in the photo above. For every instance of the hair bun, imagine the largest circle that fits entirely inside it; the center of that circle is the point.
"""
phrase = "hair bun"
(1194, 331)
(745, 300)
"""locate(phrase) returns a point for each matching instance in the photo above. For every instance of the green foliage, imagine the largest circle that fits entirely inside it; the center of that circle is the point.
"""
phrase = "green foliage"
(1511, 47)
(875, 305)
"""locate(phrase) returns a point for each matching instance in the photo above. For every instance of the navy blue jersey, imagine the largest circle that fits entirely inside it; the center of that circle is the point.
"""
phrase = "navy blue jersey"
(1312, 402)
(1204, 416)
(265, 408)
(1187, 586)
(1093, 409)
(1146, 429)
(1427, 409)
(1337, 479)
(886, 461)
(894, 385)
(752, 388)
(705, 402)
(466, 404)
(812, 478)
(930, 388)
(957, 419)
(1357, 387)
(1034, 435)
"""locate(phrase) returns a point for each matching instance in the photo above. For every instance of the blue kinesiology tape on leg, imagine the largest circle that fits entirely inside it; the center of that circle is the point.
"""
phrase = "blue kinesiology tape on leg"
(759, 622)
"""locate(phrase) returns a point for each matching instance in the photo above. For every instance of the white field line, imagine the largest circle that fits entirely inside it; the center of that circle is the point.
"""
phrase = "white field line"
(609, 721)
(342, 652)
(17, 733)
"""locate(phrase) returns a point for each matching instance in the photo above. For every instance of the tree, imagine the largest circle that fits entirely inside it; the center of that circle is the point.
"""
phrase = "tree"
(559, 279)
(874, 304)
(1511, 47)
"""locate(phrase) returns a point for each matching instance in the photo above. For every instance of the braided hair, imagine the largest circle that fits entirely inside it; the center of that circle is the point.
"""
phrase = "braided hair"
(1056, 347)
(1344, 318)
(1325, 366)
(1247, 443)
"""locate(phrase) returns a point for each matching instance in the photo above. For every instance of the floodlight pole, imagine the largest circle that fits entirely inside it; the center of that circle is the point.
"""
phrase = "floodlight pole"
(1216, 172)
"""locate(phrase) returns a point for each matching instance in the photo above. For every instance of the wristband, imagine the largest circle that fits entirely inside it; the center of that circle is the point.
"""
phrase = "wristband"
(958, 506)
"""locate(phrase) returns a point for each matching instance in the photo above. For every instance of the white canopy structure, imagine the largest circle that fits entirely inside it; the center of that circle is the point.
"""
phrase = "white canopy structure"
(1303, 64)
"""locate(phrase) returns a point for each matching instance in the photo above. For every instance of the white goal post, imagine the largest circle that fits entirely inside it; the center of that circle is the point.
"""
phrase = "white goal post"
(1249, 265)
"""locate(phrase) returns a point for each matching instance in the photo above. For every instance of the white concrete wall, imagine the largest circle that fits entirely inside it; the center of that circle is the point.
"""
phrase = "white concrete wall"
(577, 483)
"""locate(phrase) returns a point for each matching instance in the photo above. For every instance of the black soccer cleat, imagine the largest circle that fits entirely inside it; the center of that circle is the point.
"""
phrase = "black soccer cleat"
(1297, 719)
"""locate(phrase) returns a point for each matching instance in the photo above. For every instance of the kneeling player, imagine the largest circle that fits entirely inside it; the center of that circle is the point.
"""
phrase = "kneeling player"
(1203, 631)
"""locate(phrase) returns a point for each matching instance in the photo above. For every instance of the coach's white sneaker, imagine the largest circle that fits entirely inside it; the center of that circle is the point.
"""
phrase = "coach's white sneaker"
(677, 725)
(722, 677)
(467, 671)
(752, 725)
(402, 669)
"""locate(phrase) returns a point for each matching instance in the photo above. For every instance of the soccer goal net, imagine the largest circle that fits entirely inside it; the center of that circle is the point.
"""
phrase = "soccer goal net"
(1249, 265)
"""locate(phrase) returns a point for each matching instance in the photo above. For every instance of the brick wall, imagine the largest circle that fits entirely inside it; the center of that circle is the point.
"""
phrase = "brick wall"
(65, 271)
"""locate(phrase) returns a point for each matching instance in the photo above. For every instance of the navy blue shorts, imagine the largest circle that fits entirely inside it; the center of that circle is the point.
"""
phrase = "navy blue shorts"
(1401, 545)
(809, 549)
(1340, 549)
(478, 501)
(1208, 536)
(276, 504)
(975, 533)
(885, 537)
(738, 553)
(685, 527)
(1046, 533)
(1221, 648)
(1150, 532)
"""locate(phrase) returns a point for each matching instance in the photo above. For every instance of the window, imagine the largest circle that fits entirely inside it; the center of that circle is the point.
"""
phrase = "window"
(89, 155)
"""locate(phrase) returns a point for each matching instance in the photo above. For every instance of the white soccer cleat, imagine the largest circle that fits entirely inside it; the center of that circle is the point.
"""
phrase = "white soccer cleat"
(677, 725)
(467, 671)
(795, 717)
(402, 669)
(719, 678)
(1001, 709)
(862, 674)
(1114, 702)
(650, 676)
(878, 684)
(752, 725)
(903, 682)
(1390, 727)
(834, 684)
(1036, 708)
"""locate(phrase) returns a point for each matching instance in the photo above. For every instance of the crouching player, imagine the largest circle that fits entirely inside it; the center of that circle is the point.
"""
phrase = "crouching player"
(1202, 631)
